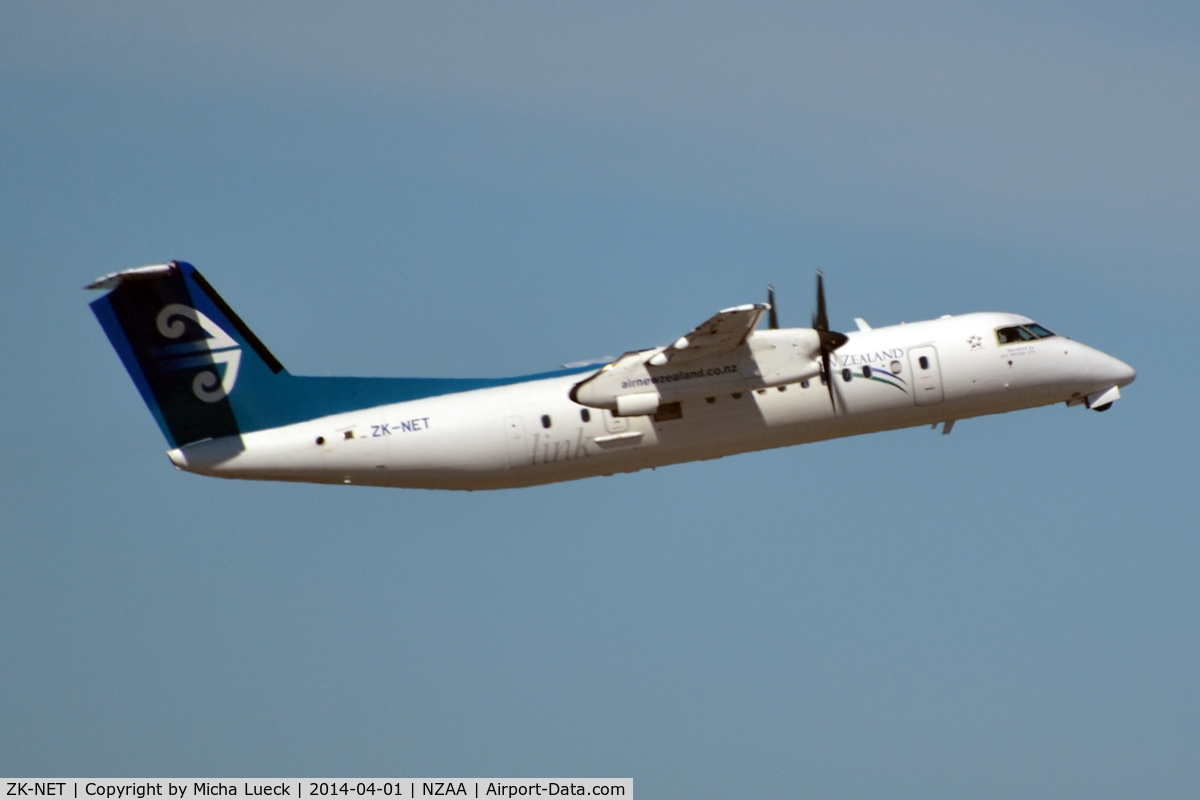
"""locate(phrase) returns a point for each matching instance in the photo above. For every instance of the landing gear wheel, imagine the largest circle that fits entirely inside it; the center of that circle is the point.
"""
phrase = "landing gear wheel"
(1104, 407)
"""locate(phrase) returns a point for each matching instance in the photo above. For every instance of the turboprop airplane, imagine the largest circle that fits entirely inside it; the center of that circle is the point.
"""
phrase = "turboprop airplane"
(229, 409)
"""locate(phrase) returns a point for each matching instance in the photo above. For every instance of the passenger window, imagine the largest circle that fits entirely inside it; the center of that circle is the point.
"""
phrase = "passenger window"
(866, 372)
(804, 384)
(895, 367)
(924, 362)
(846, 375)
(545, 420)
(585, 415)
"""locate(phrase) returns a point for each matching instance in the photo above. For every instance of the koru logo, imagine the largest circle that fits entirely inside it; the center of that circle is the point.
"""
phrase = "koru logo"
(219, 348)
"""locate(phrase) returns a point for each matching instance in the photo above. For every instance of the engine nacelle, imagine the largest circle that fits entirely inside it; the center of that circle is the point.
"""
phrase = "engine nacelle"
(637, 383)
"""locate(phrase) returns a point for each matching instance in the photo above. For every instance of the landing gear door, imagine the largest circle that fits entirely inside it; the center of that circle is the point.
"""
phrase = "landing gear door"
(926, 375)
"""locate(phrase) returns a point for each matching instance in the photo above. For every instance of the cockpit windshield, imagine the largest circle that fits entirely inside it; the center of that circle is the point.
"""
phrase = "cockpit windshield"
(1022, 333)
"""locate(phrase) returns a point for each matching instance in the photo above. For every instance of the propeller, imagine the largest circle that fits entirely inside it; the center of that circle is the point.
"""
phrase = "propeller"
(772, 317)
(830, 340)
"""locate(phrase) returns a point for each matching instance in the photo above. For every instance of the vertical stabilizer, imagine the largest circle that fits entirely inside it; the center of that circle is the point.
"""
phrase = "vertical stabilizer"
(201, 371)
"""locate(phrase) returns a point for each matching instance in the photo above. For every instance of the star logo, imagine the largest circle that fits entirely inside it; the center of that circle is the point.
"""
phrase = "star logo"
(975, 342)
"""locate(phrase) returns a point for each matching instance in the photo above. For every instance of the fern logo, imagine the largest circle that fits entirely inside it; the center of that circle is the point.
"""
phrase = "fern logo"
(218, 348)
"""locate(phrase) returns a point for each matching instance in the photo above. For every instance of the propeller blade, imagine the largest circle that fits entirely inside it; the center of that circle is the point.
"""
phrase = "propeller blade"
(820, 320)
(829, 379)
(830, 340)
(772, 317)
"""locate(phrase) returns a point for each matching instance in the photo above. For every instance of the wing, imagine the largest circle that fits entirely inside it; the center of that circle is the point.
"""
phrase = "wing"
(722, 332)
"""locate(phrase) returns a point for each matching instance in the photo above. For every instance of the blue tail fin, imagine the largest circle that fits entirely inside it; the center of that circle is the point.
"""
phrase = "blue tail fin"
(201, 371)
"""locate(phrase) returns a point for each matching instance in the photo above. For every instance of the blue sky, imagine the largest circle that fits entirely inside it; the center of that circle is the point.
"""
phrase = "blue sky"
(462, 190)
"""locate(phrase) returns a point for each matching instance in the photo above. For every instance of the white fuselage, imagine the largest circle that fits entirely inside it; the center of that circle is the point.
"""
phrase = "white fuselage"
(499, 437)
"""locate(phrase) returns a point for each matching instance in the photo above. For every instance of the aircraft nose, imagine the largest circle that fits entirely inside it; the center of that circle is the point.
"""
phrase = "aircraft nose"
(1114, 370)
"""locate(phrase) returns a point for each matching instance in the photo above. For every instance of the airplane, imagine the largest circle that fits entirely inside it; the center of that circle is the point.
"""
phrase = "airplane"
(229, 409)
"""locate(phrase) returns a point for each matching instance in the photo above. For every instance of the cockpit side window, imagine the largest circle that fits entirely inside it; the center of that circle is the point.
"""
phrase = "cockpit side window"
(1039, 331)
(1021, 333)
